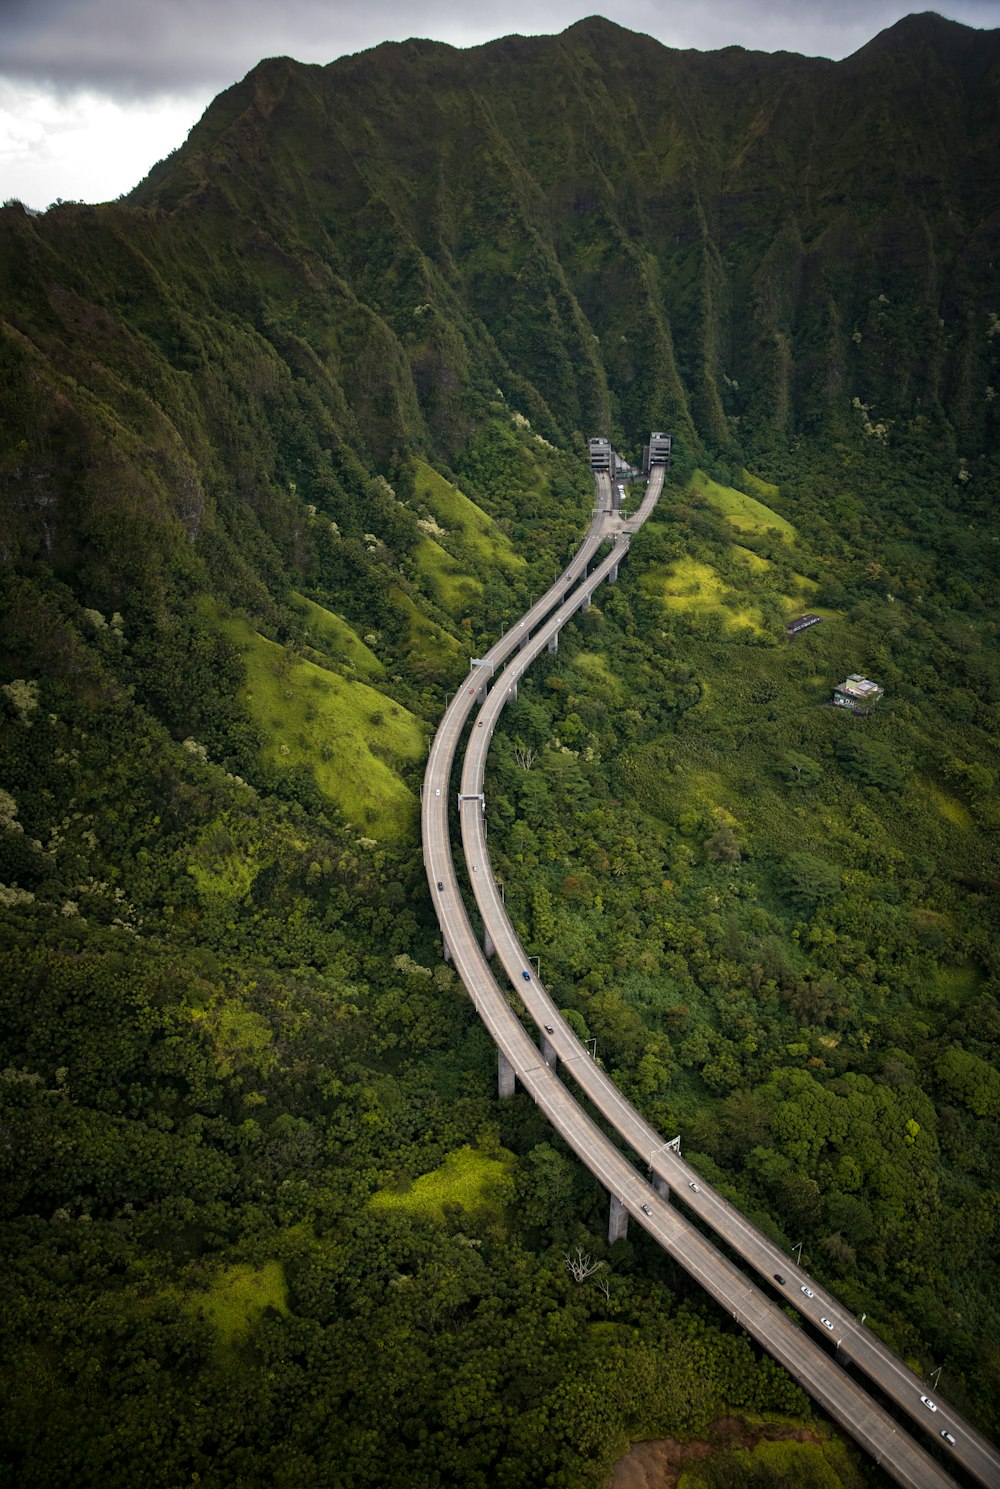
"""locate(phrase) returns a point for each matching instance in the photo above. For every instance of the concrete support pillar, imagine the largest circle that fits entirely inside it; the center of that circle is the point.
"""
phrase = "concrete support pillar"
(661, 1186)
(488, 948)
(505, 1075)
(447, 952)
(554, 641)
(512, 690)
(617, 1221)
(548, 1050)
(586, 603)
(613, 575)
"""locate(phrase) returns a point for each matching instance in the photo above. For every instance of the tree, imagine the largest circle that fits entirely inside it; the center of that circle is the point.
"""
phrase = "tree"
(545, 1187)
(525, 755)
(810, 881)
(870, 762)
(580, 1266)
(723, 846)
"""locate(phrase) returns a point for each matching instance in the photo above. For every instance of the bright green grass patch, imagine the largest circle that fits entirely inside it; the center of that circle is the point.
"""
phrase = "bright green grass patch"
(456, 513)
(743, 511)
(762, 489)
(337, 639)
(951, 809)
(353, 738)
(801, 586)
(755, 561)
(692, 586)
(238, 1297)
(467, 1178)
(452, 588)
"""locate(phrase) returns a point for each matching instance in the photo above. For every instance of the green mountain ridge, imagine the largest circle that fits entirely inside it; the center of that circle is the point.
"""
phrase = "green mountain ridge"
(775, 220)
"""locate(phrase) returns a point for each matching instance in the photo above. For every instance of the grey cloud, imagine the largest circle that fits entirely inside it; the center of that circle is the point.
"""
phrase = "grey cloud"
(136, 48)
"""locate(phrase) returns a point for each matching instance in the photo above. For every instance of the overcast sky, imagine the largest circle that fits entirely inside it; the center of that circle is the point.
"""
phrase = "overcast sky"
(94, 92)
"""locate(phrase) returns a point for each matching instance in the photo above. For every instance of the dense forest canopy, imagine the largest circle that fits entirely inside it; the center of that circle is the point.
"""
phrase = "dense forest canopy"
(285, 438)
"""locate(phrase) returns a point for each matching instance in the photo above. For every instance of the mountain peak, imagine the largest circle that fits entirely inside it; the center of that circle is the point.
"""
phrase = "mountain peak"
(926, 30)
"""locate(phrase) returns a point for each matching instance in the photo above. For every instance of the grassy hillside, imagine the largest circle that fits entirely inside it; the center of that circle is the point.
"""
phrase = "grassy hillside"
(352, 738)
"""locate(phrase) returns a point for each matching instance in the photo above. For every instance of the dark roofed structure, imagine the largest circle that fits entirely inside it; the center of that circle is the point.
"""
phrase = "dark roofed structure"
(801, 623)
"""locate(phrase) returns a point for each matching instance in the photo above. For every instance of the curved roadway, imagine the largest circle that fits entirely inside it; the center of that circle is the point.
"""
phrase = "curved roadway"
(843, 1398)
(559, 1041)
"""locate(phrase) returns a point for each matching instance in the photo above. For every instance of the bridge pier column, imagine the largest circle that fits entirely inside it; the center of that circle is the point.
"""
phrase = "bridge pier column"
(447, 951)
(512, 689)
(554, 641)
(613, 574)
(617, 1221)
(661, 1186)
(505, 1075)
(488, 948)
(586, 603)
(548, 1050)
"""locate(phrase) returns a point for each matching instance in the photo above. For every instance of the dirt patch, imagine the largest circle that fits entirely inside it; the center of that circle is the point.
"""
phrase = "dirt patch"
(659, 1462)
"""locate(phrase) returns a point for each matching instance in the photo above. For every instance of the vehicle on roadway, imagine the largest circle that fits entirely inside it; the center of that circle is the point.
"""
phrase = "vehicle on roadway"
(807, 1290)
(548, 1027)
(646, 1210)
(440, 884)
(437, 790)
(947, 1437)
(526, 976)
(694, 1186)
(827, 1324)
(778, 1278)
(930, 1405)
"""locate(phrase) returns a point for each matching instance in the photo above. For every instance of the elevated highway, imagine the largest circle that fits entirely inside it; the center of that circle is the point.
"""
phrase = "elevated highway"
(670, 1171)
(846, 1401)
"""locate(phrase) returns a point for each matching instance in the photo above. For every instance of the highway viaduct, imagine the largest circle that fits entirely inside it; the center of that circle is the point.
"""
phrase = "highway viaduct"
(844, 1399)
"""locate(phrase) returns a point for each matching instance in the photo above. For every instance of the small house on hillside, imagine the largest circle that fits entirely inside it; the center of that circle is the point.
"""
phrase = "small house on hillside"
(857, 693)
(801, 623)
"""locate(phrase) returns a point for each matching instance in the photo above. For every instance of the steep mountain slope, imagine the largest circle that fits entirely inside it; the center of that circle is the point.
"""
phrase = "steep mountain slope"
(347, 262)
(713, 220)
